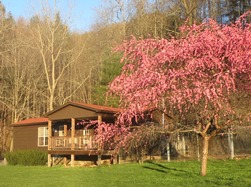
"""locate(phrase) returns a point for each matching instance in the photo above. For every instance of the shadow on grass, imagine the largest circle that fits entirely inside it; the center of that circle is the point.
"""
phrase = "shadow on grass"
(160, 168)
(155, 169)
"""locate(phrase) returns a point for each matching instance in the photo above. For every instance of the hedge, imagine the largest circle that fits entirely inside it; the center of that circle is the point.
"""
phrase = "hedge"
(26, 158)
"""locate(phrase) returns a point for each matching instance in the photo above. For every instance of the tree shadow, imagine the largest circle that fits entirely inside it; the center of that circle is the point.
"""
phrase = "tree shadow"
(155, 169)
(160, 168)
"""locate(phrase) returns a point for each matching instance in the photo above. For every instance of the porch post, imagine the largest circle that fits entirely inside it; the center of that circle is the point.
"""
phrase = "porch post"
(49, 142)
(183, 144)
(99, 122)
(49, 160)
(99, 160)
(65, 130)
(49, 134)
(72, 140)
(65, 161)
(72, 133)
(99, 119)
(65, 135)
(72, 160)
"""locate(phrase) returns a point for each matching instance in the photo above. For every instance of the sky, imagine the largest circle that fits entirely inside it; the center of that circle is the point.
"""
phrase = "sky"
(82, 11)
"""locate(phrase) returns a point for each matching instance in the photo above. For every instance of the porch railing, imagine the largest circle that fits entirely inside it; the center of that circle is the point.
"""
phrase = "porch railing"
(81, 142)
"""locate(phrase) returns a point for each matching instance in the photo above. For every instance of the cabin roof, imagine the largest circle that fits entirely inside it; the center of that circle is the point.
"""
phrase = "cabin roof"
(99, 108)
(30, 121)
(92, 107)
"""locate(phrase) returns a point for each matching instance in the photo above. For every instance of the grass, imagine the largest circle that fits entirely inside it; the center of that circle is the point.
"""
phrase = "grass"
(220, 173)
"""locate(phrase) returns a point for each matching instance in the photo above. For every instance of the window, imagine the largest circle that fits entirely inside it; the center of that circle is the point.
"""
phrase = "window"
(42, 136)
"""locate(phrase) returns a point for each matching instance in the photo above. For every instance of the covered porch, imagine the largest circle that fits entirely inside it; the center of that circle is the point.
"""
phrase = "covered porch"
(68, 138)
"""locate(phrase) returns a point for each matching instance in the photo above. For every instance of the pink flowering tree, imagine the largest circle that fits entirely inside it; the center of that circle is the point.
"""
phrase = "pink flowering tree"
(199, 72)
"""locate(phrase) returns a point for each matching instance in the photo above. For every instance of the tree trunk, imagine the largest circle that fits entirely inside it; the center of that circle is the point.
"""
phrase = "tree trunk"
(203, 171)
(51, 101)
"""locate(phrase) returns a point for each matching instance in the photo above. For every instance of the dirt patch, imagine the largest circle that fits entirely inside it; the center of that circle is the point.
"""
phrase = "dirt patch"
(1, 163)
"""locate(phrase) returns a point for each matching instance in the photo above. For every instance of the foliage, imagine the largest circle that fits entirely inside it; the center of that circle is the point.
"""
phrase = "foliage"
(108, 71)
(220, 173)
(108, 135)
(201, 69)
(24, 84)
(135, 142)
(197, 73)
(26, 158)
(151, 139)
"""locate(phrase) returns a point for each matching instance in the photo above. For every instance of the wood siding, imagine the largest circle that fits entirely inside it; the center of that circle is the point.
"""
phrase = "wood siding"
(69, 112)
(25, 137)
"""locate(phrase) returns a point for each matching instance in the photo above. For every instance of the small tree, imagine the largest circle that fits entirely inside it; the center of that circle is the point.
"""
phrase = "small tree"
(198, 73)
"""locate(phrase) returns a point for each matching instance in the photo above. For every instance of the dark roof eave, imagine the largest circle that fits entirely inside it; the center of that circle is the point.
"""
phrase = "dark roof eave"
(28, 124)
(31, 121)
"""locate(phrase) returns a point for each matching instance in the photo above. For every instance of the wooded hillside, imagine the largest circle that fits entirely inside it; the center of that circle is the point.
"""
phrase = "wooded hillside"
(44, 63)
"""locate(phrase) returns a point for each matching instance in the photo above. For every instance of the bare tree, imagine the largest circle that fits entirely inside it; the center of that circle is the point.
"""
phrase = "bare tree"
(6, 36)
(50, 36)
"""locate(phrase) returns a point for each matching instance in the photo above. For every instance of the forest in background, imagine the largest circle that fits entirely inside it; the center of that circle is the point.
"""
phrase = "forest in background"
(45, 64)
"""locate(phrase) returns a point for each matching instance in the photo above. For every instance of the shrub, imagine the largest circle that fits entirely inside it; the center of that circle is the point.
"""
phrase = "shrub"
(26, 158)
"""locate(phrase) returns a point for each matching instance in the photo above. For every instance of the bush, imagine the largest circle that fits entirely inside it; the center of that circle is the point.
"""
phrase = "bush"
(26, 158)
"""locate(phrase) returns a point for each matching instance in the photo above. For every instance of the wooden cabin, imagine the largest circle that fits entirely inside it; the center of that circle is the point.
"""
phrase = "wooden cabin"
(31, 134)
(60, 134)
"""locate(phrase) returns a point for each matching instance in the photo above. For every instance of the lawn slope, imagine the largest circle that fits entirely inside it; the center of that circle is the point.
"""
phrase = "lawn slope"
(220, 173)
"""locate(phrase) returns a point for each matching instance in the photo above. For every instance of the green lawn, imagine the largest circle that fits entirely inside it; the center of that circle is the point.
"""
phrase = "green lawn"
(156, 174)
